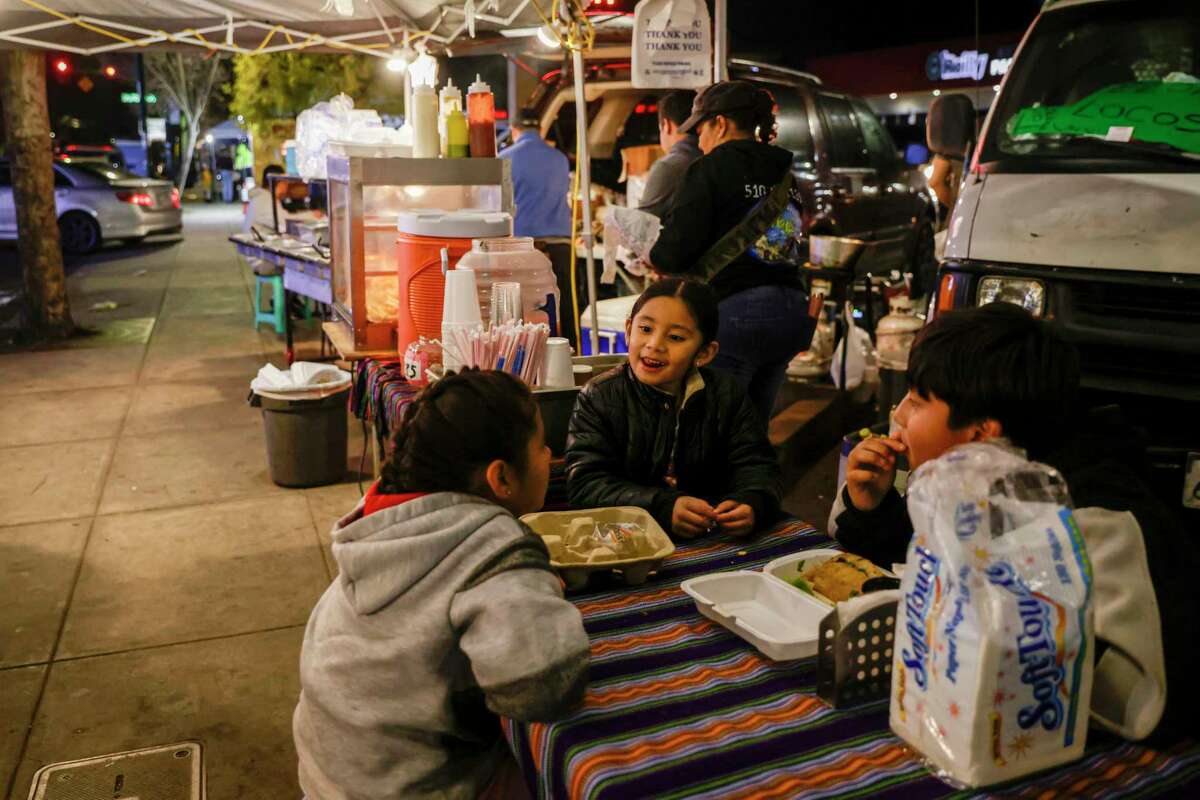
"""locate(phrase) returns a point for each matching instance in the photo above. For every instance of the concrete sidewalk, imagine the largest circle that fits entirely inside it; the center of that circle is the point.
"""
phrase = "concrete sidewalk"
(156, 581)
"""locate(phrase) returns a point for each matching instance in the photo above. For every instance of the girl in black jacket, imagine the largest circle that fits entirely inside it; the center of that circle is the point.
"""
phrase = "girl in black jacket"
(667, 434)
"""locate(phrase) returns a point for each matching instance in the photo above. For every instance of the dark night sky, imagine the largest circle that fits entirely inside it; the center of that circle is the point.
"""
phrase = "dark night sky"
(792, 30)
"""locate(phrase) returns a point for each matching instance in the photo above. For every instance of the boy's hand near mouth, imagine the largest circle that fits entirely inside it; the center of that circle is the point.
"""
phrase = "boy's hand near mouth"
(871, 471)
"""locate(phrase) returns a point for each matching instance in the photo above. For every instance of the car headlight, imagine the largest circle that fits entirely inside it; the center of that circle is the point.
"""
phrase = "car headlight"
(1028, 294)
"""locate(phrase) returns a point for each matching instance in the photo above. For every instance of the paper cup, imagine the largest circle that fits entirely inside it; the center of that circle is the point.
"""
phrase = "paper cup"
(461, 301)
(559, 373)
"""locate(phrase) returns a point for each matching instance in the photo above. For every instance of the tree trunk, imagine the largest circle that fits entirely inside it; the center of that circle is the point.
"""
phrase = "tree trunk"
(23, 91)
(191, 132)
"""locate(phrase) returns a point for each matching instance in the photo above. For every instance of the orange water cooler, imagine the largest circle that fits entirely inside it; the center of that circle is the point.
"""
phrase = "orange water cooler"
(423, 237)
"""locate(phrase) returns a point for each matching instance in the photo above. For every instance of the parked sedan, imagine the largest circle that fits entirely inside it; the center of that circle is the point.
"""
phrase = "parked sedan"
(97, 202)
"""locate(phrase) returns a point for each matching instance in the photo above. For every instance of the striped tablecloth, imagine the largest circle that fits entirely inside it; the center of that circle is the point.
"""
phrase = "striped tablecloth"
(679, 707)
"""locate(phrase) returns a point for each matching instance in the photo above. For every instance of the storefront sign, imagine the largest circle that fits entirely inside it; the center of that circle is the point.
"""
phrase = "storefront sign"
(672, 45)
(1148, 111)
(969, 65)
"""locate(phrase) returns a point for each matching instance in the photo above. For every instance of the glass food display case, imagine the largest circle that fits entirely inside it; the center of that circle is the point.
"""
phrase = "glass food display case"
(365, 197)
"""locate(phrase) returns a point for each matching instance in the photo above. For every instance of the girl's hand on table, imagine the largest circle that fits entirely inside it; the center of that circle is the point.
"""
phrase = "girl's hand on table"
(871, 471)
(736, 519)
(692, 517)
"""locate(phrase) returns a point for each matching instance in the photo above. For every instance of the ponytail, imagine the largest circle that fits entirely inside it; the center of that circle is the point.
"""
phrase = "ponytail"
(757, 119)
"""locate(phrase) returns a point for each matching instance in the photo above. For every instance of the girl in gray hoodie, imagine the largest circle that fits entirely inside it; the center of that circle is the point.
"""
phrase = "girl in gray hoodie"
(445, 612)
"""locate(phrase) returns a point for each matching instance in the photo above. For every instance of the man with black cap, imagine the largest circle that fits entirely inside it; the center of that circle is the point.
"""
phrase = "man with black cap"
(734, 222)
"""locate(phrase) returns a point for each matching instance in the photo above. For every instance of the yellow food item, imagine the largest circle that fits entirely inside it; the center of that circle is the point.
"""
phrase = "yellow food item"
(842, 576)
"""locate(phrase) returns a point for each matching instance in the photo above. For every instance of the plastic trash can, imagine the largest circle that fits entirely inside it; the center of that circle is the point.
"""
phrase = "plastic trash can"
(306, 438)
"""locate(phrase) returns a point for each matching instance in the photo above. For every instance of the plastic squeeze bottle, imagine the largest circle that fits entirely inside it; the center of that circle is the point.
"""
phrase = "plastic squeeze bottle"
(481, 117)
(450, 100)
(425, 121)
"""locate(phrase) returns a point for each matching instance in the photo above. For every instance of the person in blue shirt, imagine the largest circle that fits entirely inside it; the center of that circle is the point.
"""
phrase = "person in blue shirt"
(541, 177)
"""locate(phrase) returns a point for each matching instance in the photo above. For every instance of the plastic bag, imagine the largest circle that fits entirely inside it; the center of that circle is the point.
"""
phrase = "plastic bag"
(856, 359)
(992, 664)
(629, 228)
(626, 539)
(335, 120)
(302, 376)
(588, 541)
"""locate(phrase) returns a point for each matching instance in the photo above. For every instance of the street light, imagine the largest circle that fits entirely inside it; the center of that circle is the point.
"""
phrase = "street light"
(110, 71)
(400, 59)
(893, 96)
(937, 92)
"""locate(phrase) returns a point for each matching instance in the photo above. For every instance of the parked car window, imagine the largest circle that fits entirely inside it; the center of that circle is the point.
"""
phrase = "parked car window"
(880, 147)
(846, 145)
(794, 133)
(5, 175)
(61, 180)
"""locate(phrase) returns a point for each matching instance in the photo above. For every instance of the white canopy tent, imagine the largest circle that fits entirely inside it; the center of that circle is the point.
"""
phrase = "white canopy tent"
(379, 28)
(368, 27)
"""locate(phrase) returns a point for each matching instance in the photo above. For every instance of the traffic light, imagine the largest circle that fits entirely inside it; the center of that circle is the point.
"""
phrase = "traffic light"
(62, 66)
(110, 71)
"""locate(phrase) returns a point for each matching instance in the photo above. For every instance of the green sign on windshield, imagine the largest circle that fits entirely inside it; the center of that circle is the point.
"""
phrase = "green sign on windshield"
(1157, 111)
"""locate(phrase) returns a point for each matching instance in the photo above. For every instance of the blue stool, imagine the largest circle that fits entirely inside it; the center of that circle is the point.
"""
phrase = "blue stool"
(278, 307)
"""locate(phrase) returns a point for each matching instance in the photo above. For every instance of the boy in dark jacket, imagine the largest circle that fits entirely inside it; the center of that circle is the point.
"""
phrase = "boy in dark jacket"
(667, 434)
(996, 372)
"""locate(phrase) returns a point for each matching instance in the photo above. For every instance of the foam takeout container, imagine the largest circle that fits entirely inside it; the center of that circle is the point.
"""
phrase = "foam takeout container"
(553, 527)
(782, 621)
(777, 618)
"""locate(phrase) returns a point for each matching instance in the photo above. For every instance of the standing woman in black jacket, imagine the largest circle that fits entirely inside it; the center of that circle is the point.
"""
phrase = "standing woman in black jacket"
(734, 223)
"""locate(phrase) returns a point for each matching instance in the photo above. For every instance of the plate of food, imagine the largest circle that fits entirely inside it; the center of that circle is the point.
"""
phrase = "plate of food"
(622, 539)
(831, 576)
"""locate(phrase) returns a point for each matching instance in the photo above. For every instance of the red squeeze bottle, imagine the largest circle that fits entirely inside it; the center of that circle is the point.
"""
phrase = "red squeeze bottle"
(481, 119)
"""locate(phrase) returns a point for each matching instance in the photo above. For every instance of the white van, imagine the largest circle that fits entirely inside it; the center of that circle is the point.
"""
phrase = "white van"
(1081, 202)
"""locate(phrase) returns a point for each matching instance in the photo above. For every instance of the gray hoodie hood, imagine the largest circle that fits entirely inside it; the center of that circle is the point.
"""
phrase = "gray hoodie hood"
(383, 555)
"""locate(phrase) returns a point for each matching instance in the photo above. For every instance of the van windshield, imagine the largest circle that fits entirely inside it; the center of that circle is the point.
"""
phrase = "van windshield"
(1113, 85)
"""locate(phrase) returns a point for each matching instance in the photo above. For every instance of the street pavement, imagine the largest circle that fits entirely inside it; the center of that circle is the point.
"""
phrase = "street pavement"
(156, 582)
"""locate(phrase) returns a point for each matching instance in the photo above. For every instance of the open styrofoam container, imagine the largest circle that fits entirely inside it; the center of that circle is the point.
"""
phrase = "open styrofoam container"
(552, 524)
(765, 608)
(788, 568)
(780, 620)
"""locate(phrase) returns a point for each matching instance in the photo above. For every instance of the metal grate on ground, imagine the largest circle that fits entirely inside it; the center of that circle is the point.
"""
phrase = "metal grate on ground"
(166, 772)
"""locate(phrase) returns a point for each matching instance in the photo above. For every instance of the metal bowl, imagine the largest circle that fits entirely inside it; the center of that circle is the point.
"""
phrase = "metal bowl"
(834, 252)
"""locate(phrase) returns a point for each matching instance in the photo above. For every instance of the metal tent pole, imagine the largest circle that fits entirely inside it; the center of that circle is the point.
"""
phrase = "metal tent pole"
(720, 41)
(583, 164)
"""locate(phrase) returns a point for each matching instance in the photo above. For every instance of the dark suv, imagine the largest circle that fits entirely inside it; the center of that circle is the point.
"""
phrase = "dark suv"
(853, 180)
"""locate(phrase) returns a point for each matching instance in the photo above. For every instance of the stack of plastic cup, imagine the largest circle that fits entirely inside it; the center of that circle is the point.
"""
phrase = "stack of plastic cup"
(460, 316)
(506, 303)
(559, 373)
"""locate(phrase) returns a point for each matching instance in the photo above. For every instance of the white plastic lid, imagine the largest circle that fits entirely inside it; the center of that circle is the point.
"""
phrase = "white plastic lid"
(455, 224)
(478, 85)
(451, 92)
